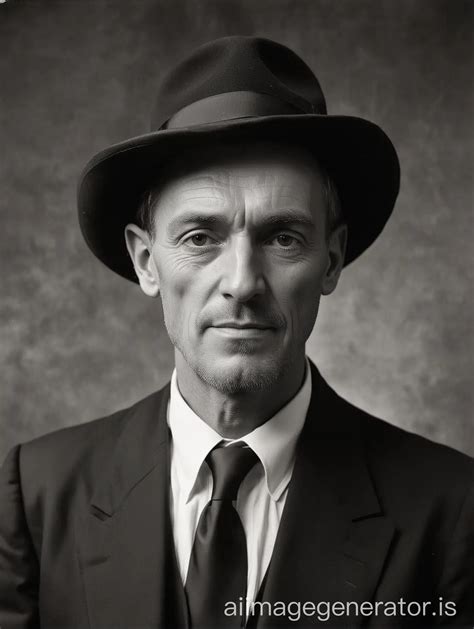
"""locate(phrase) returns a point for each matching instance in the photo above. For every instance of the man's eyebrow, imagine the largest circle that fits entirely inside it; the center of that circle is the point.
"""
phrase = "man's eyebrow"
(280, 218)
(193, 217)
(294, 218)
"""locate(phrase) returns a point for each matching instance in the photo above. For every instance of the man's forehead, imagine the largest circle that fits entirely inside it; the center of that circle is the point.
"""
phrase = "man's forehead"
(214, 183)
(224, 191)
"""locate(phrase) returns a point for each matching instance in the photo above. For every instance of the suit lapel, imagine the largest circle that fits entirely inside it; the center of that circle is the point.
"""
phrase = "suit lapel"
(333, 537)
(125, 540)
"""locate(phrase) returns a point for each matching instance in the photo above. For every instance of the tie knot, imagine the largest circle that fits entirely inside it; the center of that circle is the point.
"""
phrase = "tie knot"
(229, 467)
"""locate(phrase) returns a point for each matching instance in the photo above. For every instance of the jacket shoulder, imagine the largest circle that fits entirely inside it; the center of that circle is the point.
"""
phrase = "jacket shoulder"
(392, 443)
(418, 482)
(69, 451)
(416, 468)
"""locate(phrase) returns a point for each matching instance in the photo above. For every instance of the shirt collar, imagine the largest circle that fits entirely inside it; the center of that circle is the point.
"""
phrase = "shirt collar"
(274, 442)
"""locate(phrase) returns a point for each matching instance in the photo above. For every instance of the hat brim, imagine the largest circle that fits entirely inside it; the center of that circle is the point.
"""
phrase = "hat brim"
(357, 154)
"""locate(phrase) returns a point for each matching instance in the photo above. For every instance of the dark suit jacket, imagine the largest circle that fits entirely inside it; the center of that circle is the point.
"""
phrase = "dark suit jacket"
(373, 513)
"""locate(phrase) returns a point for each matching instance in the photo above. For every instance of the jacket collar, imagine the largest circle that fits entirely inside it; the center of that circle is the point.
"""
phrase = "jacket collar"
(125, 541)
(140, 444)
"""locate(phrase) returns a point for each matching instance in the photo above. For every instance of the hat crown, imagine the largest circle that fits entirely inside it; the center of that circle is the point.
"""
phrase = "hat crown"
(239, 65)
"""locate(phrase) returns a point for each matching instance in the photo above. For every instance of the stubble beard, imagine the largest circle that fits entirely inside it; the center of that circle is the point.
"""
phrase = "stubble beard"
(253, 377)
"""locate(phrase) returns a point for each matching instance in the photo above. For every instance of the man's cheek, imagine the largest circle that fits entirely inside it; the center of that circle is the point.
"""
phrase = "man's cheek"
(180, 316)
(171, 309)
(303, 318)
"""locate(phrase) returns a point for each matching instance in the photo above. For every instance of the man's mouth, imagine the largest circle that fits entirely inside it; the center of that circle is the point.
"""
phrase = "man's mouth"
(243, 325)
(247, 330)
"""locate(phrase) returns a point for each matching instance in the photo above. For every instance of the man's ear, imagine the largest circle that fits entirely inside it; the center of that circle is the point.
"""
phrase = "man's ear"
(337, 243)
(139, 247)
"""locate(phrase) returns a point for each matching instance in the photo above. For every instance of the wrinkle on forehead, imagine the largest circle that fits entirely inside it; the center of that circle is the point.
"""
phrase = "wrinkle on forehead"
(265, 194)
(208, 186)
(245, 176)
(274, 175)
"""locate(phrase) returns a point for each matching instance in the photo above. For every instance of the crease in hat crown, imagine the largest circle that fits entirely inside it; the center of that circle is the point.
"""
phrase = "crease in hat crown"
(239, 89)
(258, 65)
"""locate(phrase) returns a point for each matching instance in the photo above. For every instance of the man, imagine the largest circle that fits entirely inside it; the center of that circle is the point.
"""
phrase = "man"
(246, 491)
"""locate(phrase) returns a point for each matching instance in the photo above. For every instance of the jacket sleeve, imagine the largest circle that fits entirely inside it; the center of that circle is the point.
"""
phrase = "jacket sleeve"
(19, 571)
(457, 581)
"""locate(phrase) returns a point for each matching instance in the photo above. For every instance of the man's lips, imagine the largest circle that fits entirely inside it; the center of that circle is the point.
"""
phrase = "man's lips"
(243, 330)
(247, 325)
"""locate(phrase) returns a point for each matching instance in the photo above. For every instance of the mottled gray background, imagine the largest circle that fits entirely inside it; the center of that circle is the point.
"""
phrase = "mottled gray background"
(77, 75)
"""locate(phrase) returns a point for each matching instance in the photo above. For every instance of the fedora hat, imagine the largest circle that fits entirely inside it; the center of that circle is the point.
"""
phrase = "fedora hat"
(239, 89)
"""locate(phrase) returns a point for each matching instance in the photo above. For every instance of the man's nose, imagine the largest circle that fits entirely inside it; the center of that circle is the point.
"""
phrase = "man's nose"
(241, 271)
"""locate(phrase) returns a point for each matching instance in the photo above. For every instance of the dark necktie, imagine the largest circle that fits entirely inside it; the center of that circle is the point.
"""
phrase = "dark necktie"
(217, 572)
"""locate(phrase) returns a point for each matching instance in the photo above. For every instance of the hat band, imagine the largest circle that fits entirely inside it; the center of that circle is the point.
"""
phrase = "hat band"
(230, 106)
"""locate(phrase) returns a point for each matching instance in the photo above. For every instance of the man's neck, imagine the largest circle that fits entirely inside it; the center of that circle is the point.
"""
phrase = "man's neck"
(237, 414)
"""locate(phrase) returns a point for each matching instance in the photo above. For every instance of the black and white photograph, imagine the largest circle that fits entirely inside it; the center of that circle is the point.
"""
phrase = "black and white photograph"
(236, 314)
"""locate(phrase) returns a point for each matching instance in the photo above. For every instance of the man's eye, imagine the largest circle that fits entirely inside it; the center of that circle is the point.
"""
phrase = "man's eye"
(199, 240)
(285, 240)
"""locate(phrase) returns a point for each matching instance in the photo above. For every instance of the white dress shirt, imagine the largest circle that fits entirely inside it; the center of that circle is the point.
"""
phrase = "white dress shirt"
(263, 491)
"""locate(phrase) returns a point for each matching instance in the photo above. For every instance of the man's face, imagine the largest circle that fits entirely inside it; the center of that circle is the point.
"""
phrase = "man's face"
(240, 256)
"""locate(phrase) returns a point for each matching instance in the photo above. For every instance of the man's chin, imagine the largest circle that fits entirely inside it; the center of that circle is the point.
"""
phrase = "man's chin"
(241, 374)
